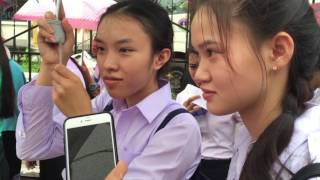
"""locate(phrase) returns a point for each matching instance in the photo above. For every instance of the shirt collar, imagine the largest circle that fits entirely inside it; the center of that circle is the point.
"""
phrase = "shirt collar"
(151, 106)
(315, 99)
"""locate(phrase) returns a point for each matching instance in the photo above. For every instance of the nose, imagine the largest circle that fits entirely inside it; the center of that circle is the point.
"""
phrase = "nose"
(202, 74)
(110, 61)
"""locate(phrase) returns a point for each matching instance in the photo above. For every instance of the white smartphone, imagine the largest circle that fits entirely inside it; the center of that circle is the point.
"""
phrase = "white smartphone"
(90, 146)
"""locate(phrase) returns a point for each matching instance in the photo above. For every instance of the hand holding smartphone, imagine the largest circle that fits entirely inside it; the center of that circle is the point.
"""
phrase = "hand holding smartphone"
(90, 146)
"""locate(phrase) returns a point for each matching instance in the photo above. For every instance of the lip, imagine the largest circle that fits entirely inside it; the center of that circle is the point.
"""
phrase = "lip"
(111, 81)
(208, 94)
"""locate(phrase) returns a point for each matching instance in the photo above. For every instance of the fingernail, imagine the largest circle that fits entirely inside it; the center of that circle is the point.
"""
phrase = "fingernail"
(53, 39)
(51, 31)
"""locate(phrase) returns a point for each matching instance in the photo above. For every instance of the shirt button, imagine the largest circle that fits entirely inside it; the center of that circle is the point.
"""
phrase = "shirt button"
(22, 134)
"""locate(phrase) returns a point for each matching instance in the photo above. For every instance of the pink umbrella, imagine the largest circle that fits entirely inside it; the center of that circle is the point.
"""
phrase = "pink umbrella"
(5, 4)
(316, 8)
(34, 9)
(85, 13)
(82, 14)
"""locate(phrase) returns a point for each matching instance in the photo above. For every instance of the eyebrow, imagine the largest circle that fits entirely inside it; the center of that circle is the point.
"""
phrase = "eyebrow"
(123, 41)
(119, 42)
(192, 50)
(207, 43)
(98, 40)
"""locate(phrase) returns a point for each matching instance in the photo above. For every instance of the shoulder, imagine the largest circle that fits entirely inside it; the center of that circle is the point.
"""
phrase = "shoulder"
(182, 125)
(15, 66)
(181, 130)
(184, 118)
(309, 121)
(316, 98)
(101, 101)
(17, 74)
(304, 147)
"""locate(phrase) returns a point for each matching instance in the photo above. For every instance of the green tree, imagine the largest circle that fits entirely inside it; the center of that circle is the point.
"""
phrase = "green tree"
(175, 6)
(8, 12)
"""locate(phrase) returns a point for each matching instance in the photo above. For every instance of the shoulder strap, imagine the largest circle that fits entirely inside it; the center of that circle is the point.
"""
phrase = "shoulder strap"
(74, 61)
(108, 107)
(309, 171)
(171, 115)
(166, 120)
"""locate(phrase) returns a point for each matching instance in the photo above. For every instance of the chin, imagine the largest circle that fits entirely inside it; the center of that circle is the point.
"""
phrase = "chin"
(115, 94)
(218, 110)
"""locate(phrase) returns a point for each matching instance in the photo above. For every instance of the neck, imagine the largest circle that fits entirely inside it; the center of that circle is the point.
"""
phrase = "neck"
(266, 109)
(258, 120)
(148, 89)
(315, 82)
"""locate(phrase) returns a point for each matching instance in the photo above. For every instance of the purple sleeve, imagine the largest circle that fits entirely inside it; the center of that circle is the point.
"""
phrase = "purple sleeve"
(38, 135)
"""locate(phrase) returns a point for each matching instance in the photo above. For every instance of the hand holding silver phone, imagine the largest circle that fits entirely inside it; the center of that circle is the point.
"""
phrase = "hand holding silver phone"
(90, 146)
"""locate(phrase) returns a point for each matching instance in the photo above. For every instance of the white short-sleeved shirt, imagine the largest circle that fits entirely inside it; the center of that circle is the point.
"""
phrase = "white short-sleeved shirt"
(217, 134)
(303, 149)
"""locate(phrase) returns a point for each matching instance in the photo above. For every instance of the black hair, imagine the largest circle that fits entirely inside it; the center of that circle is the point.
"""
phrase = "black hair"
(188, 75)
(153, 18)
(7, 98)
(266, 18)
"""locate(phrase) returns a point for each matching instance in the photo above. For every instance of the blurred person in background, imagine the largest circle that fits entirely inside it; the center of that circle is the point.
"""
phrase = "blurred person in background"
(11, 79)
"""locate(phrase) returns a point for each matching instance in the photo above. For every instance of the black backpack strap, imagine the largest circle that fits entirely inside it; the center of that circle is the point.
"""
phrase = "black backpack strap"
(309, 171)
(108, 107)
(171, 115)
(166, 120)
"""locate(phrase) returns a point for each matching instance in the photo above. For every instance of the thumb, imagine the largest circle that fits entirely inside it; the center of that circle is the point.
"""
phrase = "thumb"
(68, 31)
(61, 12)
(121, 168)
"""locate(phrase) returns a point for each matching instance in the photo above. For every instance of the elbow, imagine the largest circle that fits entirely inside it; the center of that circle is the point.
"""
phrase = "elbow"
(23, 155)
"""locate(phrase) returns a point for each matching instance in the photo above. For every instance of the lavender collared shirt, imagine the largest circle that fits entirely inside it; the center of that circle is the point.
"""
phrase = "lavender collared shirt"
(171, 153)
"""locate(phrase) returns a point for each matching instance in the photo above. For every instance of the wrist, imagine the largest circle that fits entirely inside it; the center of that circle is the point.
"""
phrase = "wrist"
(44, 78)
(92, 87)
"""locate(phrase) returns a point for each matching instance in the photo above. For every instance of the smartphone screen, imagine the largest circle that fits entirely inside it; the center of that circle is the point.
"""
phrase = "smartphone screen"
(90, 151)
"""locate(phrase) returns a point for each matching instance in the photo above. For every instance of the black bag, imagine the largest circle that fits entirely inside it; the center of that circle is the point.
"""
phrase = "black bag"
(9, 145)
(51, 169)
(307, 172)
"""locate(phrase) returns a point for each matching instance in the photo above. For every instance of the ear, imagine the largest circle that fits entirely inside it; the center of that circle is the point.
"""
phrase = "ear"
(161, 58)
(281, 51)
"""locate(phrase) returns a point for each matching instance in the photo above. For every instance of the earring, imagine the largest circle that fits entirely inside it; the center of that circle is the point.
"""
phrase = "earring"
(274, 68)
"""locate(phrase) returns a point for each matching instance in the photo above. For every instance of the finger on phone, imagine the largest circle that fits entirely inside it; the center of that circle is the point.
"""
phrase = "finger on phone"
(64, 72)
(122, 168)
(61, 12)
(49, 15)
(195, 108)
(190, 107)
(47, 37)
(44, 25)
(58, 91)
(189, 101)
(69, 33)
(118, 172)
(192, 98)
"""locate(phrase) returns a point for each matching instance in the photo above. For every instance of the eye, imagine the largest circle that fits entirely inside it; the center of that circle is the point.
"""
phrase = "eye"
(210, 52)
(100, 49)
(193, 56)
(193, 66)
(125, 50)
